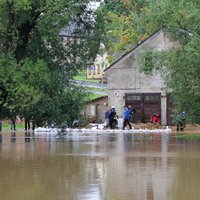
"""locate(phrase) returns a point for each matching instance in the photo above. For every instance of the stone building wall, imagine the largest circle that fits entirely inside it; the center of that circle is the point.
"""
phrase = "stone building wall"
(124, 76)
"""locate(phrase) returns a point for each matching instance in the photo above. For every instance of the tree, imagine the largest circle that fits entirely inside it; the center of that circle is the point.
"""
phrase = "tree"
(35, 63)
(180, 66)
(122, 28)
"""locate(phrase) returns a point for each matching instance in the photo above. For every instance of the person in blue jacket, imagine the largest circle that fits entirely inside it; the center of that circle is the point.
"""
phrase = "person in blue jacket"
(132, 111)
(126, 118)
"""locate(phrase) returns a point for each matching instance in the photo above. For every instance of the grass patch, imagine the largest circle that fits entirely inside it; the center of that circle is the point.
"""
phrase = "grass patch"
(8, 126)
(83, 78)
(190, 136)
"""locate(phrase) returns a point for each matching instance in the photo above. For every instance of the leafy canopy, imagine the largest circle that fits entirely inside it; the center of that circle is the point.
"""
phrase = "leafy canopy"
(36, 63)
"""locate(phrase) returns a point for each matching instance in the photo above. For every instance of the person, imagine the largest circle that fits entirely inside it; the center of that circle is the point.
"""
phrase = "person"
(113, 118)
(155, 118)
(131, 113)
(127, 114)
(1, 122)
(27, 123)
(75, 123)
(181, 121)
(13, 121)
(33, 123)
(53, 125)
(106, 116)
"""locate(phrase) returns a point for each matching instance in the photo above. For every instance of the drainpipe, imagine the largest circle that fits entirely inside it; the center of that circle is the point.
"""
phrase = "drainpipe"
(97, 117)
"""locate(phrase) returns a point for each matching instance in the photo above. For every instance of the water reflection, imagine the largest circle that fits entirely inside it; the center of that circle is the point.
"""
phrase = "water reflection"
(99, 166)
(13, 136)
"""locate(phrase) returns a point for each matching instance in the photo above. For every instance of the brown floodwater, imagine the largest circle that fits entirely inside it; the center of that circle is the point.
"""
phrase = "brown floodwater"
(99, 167)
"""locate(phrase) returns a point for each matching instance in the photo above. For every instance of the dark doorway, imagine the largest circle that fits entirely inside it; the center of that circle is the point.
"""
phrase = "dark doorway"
(145, 104)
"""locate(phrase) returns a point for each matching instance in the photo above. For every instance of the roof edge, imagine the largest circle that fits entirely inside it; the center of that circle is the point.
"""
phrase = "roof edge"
(96, 99)
(135, 47)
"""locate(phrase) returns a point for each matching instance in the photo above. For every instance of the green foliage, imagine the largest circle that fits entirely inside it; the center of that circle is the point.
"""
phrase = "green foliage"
(146, 63)
(7, 126)
(184, 78)
(122, 24)
(36, 63)
(179, 68)
(188, 136)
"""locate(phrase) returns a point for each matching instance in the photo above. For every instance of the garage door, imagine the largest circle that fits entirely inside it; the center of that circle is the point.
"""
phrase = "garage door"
(145, 104)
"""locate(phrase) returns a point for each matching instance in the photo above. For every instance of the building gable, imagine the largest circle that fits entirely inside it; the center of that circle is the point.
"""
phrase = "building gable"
(124, 76)
(156, 41)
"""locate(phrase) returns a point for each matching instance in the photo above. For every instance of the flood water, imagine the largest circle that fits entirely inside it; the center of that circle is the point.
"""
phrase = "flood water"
(99, 167)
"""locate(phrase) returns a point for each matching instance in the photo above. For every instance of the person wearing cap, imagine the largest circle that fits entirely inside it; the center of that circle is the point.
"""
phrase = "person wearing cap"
(113, 118)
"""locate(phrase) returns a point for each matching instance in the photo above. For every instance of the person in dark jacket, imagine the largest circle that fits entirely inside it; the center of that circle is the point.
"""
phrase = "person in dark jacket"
(13, 120)
(181, 121)
(113, 118)
(126, 118)
(1, 122)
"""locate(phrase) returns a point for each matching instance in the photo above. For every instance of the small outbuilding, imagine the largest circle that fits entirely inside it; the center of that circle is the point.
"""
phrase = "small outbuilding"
(127, 85)
(95, 109)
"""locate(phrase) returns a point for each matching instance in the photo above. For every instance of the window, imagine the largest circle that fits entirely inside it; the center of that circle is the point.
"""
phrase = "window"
(129, 98)
(91, 69)
(152, 97)
(133, 98)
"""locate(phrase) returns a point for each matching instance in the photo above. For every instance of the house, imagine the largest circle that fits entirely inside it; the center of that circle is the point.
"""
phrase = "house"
(147, 93)
(95, 109)
(95, 66)
(101, 62)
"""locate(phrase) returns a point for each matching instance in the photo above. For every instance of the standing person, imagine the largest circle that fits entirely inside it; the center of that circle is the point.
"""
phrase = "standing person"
(13, 121)
(1, 122)
(131, 113)
(27, 124)
(113, 118)
(27, 121)
(33, 123)
(126, 118)
(106, 116)
(181, 121)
